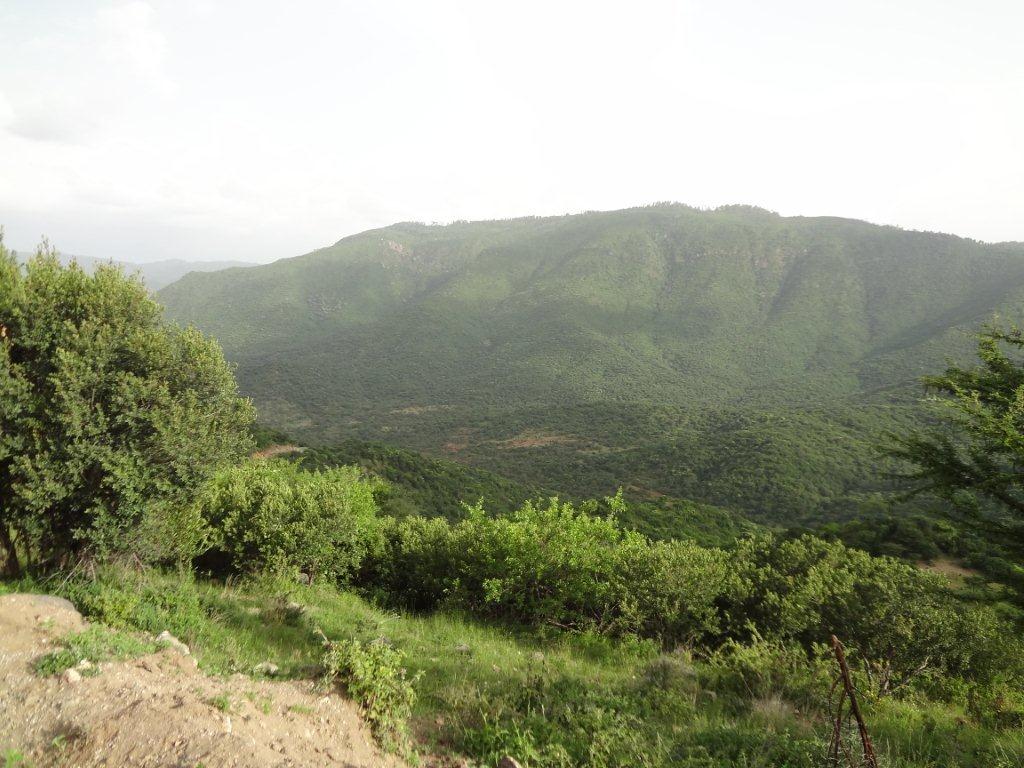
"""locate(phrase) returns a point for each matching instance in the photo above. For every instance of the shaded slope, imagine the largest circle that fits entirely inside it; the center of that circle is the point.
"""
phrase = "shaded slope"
(652, 321)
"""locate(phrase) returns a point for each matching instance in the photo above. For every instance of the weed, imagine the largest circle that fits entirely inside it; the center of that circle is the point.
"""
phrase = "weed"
(94, 645)
(15, 759)
(221, 702)
(374, 676)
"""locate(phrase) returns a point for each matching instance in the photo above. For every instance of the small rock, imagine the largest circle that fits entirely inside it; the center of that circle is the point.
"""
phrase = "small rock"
(169, 640)
(84, 665)
(462, 648)
(538, 656)
(303, 578)
(267, 668)
(508, 762)
(72, 676)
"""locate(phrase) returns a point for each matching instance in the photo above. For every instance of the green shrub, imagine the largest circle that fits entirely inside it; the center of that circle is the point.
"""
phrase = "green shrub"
(373, 675)
(898, 622)
(555, 566)
(269, 515)
(412, 566)
(765, 669)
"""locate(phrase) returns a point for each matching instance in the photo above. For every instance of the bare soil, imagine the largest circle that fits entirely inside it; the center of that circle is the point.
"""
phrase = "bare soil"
(277, 450)
(160, 710)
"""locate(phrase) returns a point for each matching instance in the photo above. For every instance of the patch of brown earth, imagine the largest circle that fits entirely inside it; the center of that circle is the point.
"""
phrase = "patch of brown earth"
(277, 450)
(647, 493)
(536, 440)
(949, 568)
(416, 410)
(159, 711)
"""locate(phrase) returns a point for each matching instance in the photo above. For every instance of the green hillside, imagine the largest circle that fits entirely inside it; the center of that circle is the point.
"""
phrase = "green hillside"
(731, 356)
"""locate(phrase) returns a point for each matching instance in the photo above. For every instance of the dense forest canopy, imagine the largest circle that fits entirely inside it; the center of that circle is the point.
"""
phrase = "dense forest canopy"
(734, 356)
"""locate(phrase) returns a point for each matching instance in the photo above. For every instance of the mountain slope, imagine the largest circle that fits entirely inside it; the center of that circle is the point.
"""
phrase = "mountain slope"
(155, 274)
(733, 356)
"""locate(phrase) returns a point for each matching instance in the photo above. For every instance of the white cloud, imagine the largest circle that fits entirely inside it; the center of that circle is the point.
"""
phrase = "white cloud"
(251, 129)
(130, 42)
(6, 112)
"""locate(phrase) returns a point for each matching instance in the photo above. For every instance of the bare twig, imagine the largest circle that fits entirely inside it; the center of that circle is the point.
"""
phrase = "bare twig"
(870, 759)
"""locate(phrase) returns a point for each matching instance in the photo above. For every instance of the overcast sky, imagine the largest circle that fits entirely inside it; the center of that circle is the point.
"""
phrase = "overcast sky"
(254, 130)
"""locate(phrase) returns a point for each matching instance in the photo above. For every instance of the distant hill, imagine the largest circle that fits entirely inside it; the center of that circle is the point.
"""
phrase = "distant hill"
(155, 274)
(732, 356)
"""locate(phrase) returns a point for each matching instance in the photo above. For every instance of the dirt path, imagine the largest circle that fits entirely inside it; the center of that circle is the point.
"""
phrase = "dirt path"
(159, 710)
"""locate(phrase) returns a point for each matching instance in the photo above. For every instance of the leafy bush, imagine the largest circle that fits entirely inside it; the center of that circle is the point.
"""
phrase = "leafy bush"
(373, 675)
(554, 566)
(412, 564)
(109, 418)
(557, 566)
(900, 623)
(268, 515)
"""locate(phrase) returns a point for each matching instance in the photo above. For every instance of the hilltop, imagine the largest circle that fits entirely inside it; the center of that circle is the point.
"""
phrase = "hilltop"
(732, 356)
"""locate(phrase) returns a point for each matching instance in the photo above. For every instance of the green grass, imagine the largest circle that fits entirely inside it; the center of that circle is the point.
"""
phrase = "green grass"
(94, 645)
(551, 700)
(15, 759)
(221, 702)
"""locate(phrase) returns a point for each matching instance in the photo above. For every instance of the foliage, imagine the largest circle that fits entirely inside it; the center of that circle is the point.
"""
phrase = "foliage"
(903, 624)
(556, 566)
(732, 357)
(430, 487)
(420, 485)
(271, 515)
(978, 450)
(94, 645)
(109, 418)
(373, 675)
(575, 699)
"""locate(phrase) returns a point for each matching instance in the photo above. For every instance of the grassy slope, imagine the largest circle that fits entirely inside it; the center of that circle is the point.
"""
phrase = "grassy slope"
(733, 356)
(606, 704)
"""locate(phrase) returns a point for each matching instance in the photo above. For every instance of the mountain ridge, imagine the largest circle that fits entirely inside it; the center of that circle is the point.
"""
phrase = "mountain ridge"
(499, 327)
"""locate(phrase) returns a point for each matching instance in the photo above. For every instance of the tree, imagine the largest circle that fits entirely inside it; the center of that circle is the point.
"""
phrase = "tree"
(110, 419)
(978, 449)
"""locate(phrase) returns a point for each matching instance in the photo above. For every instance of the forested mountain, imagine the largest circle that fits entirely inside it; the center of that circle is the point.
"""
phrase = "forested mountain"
(732, 356)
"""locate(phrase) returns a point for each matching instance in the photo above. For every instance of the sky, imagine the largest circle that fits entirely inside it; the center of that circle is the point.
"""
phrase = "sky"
(197, 129)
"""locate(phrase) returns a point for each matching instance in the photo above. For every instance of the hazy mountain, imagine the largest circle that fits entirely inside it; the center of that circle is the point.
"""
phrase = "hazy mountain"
(155, 274)
(733, 356)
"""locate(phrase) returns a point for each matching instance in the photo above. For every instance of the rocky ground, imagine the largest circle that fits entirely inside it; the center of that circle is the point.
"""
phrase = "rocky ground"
(159, 710)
